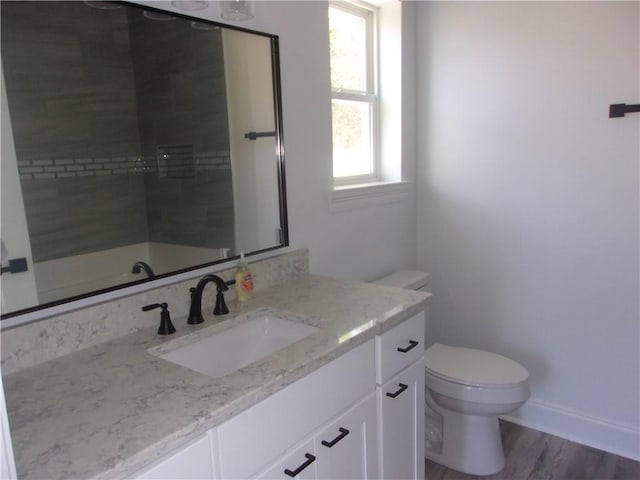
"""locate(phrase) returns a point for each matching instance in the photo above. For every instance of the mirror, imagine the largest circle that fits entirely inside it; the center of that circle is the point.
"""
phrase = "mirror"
(136, 144)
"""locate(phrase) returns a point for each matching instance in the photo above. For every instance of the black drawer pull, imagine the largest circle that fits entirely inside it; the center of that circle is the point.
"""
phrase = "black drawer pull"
(412, 344)
(343, 433)
(310, 459)
(402, 388)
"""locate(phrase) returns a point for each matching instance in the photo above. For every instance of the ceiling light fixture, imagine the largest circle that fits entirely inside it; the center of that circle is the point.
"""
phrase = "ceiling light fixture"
(236, 10)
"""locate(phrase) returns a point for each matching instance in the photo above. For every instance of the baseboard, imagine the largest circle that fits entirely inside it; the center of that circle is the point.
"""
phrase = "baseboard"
(595, 432)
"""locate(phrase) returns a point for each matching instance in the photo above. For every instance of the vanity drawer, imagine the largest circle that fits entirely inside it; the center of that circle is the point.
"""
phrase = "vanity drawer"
(399, 347)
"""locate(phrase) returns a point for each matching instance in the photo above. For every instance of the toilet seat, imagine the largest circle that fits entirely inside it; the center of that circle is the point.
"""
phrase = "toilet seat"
(471, 367)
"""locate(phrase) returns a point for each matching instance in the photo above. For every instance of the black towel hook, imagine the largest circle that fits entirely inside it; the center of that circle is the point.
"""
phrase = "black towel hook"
(619, 109)
(254, 135)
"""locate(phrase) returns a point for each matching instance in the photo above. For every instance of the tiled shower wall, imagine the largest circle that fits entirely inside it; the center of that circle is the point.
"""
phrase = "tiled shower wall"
(88, 165)
(70, 216)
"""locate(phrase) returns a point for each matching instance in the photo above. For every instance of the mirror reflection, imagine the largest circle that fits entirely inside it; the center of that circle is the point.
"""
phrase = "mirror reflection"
(135, 144)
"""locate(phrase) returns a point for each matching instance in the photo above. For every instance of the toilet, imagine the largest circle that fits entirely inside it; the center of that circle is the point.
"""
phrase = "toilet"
(465, 391)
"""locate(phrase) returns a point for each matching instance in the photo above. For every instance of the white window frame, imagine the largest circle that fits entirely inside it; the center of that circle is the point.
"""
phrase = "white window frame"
(370, 96)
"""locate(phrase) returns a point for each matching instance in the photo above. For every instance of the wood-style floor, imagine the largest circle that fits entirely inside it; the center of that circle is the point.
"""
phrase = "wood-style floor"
(533, 455)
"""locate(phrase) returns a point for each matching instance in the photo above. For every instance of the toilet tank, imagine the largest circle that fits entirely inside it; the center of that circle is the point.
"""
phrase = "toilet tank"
(409, 279)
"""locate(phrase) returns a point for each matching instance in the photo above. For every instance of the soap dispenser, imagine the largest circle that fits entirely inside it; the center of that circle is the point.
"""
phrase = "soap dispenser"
(244, 280)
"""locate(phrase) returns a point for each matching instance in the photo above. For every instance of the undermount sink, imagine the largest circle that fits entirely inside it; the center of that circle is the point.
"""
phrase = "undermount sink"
(220, 354)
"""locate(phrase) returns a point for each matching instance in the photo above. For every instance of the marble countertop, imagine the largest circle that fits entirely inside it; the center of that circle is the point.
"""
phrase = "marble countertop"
(107, 411)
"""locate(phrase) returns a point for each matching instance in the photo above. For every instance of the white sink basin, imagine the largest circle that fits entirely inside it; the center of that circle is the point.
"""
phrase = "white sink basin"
(225, 352)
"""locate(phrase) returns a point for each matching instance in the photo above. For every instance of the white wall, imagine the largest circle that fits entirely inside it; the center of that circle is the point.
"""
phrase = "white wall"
(528, 205)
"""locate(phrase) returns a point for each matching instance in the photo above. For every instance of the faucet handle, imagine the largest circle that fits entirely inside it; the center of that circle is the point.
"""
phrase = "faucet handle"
(166, 327)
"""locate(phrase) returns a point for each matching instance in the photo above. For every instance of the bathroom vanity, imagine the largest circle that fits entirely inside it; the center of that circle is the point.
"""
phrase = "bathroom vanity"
(344, 401)
(326, 423)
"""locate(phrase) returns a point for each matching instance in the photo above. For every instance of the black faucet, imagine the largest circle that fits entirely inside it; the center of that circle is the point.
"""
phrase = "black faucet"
(139, 266)
(195, 312)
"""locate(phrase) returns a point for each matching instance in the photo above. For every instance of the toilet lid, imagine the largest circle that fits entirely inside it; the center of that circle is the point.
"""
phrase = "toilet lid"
(473, 367)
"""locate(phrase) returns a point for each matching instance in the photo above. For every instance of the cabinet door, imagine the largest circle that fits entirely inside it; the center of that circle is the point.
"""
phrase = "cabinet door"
(190, 463)
(401, 424)
(299, 463)
(347, 447)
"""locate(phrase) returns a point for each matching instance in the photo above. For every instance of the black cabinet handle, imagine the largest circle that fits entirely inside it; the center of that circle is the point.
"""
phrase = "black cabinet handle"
(412, 344)
(402, 388)
(310, 459)
(343, 433)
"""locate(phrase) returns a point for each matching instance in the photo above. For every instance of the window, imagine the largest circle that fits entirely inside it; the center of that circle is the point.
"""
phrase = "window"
(354, 101)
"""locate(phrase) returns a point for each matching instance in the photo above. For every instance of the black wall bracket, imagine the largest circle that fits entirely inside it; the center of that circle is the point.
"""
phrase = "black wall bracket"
(619, 109)
(16, 265)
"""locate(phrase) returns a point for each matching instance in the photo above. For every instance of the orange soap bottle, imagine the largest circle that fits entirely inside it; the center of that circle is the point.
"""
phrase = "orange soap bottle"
(244, 280)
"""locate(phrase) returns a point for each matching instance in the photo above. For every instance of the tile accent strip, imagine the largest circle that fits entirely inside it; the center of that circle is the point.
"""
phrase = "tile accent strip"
(44, 169)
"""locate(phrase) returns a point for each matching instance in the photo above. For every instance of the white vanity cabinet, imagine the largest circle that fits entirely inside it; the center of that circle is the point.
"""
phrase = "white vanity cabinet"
(400, 396)
(276, 433)
(359, 416)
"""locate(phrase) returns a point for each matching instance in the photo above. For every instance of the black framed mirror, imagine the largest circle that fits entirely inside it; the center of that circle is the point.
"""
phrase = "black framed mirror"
(137, 144)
